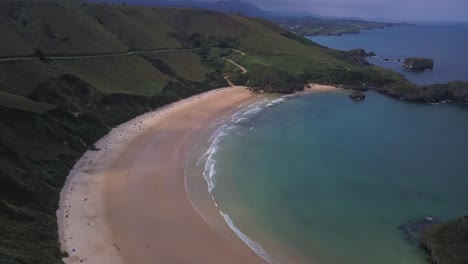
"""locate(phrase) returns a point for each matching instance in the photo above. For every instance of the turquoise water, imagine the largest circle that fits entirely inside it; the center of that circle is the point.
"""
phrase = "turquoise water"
(328, 179)
(318, 178)
(445, 43)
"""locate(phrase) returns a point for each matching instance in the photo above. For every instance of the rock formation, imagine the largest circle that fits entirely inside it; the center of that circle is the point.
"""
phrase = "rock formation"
(360, 53)
(447, 243)
(357, 96)
(418, 64)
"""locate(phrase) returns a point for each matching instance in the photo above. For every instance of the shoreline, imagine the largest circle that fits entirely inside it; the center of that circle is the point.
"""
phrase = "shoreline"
(320, 88)
(92, 225)
(95, 215)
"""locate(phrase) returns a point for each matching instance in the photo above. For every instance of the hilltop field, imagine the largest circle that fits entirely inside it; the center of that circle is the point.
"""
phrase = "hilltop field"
(71, 70)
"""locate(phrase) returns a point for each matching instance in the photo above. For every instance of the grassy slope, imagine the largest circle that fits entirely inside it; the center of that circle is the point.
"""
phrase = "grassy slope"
(179, 62)
(137, 28)
(59, 28)
(20, 77)
(22, 103)
(125, 74)
(16, 44)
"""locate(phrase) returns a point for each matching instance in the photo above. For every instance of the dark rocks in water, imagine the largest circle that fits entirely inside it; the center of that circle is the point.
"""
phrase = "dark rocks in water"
(392, 60)
(447, 242)
(360, 53)
(418, 64)
(357, 96)
(412, 230)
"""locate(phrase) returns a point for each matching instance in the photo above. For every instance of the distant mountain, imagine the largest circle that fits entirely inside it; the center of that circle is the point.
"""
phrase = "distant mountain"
(225, 6)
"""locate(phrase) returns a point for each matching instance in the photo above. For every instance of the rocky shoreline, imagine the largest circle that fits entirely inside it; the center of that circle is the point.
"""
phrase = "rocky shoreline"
(447, 243)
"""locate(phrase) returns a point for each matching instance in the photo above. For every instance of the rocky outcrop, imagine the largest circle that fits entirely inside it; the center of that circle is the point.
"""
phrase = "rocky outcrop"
(411, 230)
(357, 96)
(361, 53)
(456, 92)
(418, 64)
(447, 243)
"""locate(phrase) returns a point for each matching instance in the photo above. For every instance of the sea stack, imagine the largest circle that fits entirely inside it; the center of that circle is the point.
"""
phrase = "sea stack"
(418, 64)
(358, 96)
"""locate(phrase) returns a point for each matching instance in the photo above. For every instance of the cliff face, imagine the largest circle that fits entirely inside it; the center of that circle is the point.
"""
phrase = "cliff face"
(418, 64)
(447, 243)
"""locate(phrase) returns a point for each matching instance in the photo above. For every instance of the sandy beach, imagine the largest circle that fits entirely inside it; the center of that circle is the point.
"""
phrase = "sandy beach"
(320, 88)
(127, 203)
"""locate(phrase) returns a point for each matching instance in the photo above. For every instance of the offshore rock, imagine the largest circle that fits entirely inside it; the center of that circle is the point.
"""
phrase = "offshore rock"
(358, 96)
(418, 64)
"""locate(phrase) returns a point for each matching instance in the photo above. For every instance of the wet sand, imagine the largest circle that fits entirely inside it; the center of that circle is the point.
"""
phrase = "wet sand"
(127, 203)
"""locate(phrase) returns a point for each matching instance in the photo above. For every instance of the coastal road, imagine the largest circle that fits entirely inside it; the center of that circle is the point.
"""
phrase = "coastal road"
(135, 52)
(72, 57)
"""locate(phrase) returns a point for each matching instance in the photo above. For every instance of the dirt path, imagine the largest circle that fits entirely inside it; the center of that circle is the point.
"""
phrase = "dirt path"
(244, 70)
(71, 57)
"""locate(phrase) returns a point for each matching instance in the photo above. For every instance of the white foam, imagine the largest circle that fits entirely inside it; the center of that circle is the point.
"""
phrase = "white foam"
(209, 172)
(240, 120)
(210, 169)
(257, 248)
(214, 139)
(277, 101)
(254, 110)
(210, 164)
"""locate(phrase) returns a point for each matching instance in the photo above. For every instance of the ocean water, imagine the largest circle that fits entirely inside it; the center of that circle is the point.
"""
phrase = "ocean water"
(319, 178)
(330, 180)
(445, 43)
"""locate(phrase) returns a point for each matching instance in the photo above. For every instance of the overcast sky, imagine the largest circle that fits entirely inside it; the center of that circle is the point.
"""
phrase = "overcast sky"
(389, 9)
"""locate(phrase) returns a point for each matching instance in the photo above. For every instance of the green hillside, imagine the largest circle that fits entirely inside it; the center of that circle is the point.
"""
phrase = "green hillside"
(53, 109)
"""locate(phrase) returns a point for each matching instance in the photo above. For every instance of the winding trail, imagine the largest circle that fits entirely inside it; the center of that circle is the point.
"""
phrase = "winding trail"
(240, 67)
(73, 57)
(240, 52)
(244, 70)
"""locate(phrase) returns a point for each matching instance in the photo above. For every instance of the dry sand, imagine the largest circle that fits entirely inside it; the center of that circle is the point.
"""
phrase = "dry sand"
(320, 88)
(127, 203)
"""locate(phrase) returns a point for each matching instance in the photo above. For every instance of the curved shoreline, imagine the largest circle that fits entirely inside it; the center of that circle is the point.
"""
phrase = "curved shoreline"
(104, 217)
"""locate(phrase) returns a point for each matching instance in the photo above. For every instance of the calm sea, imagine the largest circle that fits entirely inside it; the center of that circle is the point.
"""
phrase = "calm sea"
(445, 43)
(318, 178)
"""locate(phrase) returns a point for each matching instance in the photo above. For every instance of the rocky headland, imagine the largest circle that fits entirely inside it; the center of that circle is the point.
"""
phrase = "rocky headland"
(447, 243)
